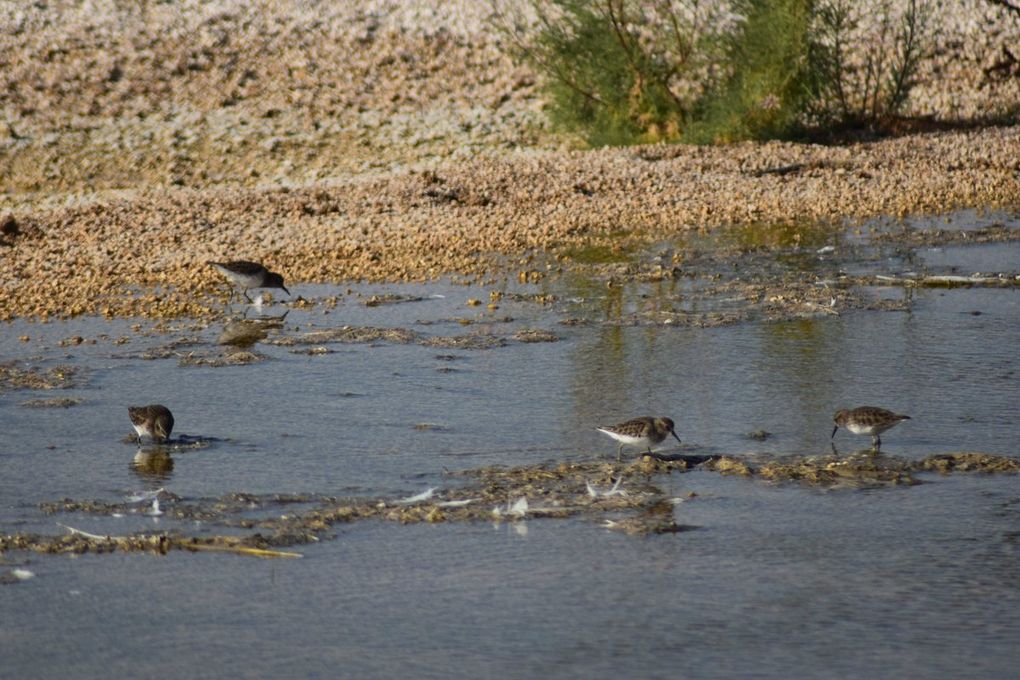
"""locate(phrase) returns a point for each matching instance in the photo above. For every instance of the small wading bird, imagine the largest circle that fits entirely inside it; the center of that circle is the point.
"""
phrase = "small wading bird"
(245, 275)
(154, 421)
(867, 420)
(644, 432)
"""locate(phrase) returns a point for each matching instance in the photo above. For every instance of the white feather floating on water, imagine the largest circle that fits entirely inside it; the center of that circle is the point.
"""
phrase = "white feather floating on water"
(94, 537)
(515, 509)
(615, 490)
(144, 496)
(22, 574)
(417, 498)
(519, 508)
(457, 504)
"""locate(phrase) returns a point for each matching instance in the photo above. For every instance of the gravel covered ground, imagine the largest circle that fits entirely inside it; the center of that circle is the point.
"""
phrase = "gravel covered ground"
(391, 141)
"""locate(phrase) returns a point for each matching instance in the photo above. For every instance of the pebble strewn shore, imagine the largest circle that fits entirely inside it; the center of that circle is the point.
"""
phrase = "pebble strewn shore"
(385, 141)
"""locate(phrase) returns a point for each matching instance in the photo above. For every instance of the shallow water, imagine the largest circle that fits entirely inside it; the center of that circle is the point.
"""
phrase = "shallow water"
(776, 581)
(891, 583)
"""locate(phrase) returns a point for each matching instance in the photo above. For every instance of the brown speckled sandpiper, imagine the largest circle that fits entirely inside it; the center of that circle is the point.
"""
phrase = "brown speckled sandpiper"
(644, 432)
(867, 420)
(154, 421)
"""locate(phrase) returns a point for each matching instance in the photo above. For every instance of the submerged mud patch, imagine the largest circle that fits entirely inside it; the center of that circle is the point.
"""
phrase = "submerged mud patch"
(231, 357)
(56, 402)
(400, 336)
(349, 334)
(14, 375)
(622, 496)
(861, 469)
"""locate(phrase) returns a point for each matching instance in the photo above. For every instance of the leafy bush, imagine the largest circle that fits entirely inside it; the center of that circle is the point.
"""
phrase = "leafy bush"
(619, 71)
(632, 71)
(773, 77)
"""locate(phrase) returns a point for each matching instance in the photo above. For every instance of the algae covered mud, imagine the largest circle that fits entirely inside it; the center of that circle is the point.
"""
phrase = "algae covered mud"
(429, 452)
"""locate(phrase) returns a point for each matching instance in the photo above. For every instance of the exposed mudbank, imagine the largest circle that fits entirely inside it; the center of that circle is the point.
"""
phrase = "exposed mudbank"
(622, 496)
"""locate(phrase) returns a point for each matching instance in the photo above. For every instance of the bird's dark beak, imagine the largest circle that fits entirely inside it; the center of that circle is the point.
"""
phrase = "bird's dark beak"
(673, 432)
(834, 432)
(285, 289)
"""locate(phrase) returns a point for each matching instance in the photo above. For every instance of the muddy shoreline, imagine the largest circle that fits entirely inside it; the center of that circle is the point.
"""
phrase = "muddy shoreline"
(396, 142)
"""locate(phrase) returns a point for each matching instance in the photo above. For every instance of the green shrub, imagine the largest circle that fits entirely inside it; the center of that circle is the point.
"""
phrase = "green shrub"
(619, 71)
(631, 71)
(773, 78)
(612, 93)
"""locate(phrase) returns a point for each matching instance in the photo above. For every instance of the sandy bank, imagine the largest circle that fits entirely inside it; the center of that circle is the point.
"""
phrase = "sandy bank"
(385, 141)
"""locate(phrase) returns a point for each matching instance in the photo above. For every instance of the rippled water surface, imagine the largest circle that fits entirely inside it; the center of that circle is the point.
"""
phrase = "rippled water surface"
(775, 581)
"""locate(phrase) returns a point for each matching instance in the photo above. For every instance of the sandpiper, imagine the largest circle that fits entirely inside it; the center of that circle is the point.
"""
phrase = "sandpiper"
(154, 421)
(867, 420)
(245, 275)
(642, 432)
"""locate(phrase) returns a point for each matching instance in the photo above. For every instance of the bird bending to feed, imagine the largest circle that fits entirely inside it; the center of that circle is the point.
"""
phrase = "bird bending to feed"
(154, 420)
(245, 275)
(867, 420)
(644, 432)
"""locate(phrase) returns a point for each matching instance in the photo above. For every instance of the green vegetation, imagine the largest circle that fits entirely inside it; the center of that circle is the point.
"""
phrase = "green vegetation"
(625, 71)
(773, 77)
(612, 89)
(600, 254)
(618, 71)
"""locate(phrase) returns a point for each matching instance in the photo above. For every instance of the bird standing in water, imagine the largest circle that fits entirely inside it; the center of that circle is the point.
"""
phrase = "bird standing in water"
(154, 421)
(867, 420)
(245, 275)
(643, 432)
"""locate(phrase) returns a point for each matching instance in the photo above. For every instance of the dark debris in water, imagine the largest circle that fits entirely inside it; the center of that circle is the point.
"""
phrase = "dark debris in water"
(351, 334)
(55, 402)
(391, 299)
(996, 233)
(469, 341)
(400, 336)
(231, 357)
(313, 351)
(535, 335)
(863, 469)
(15, 375)
(622, 496)
(970, 462)
(170, 349)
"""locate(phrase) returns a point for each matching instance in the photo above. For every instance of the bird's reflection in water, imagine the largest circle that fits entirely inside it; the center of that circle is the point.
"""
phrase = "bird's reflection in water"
(242, 332)
(153, 465)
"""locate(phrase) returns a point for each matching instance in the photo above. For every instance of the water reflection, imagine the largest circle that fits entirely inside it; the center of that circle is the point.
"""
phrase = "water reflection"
(153, 465)
(868, 452)
(242, 332)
